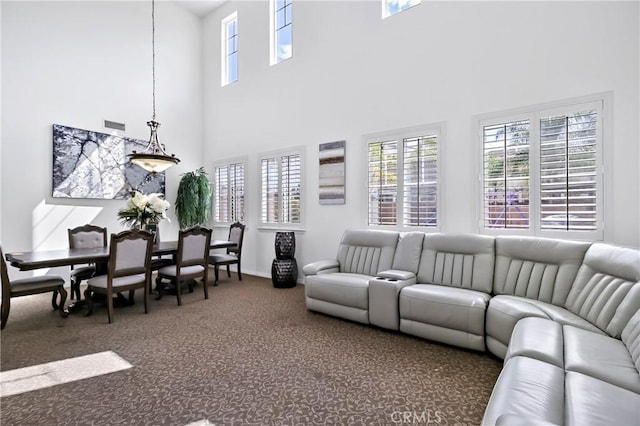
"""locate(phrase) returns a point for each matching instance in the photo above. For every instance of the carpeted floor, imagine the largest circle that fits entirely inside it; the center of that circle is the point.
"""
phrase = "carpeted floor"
(250, 355)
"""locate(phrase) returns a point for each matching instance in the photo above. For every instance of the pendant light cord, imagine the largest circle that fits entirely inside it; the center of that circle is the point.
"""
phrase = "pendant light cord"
(153, 54)
(154, 158)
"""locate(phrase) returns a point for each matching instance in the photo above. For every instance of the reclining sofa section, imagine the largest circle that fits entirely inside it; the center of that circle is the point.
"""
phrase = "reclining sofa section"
(340, 287)
(564, 315)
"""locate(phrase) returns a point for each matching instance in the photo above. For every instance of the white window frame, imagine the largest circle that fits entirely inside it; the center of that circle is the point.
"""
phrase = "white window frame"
(273, 33)
(385, 8)
(278, 155)
(534, 113)
(434, 129)
(224, 49)
(243, 161)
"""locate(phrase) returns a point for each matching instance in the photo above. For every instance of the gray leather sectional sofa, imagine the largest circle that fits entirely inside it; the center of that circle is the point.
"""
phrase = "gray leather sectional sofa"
(564, 315)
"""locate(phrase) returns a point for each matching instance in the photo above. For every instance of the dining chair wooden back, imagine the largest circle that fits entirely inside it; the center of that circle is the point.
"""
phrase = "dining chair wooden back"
(129, 268)
(233, 254)
(85, 236)
(28, 286)
(191, 262)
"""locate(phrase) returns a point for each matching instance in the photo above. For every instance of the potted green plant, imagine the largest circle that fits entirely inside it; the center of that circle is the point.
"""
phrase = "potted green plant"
(193, 201)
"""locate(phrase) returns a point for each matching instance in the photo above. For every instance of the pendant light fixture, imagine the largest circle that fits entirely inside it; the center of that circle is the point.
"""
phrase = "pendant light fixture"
(154, 158)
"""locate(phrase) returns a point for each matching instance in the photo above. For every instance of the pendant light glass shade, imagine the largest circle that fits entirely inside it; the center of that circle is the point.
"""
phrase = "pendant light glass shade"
(154, 158)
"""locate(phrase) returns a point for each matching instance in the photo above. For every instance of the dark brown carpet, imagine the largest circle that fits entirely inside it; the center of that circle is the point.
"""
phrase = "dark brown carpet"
(250, 355)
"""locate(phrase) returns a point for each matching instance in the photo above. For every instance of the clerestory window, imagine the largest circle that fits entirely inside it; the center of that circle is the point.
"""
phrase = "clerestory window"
(229, 49)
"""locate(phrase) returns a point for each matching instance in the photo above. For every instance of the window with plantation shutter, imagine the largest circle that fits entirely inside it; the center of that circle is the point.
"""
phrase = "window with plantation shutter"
(403, 178)
(506, 175)
(568, 171)
(290, 184)
(236, 192)
(383, 178)
(229, 192)
(542, 174)
(420, 176)
(270, 193)
(281, 183)
(222, 194)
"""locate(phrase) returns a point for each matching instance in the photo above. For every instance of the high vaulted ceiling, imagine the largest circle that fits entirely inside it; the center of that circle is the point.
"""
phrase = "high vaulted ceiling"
(200, 7)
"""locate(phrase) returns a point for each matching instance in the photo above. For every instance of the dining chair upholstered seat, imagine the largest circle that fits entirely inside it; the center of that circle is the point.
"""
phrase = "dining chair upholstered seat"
(28, 286)
(102, 281)
(172, 270)
(191, 262)
(129, 268)
(233, 254)
(86, 236)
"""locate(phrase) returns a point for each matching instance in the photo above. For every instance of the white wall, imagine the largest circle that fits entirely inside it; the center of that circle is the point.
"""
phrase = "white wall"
(352, 74)
(78, 63)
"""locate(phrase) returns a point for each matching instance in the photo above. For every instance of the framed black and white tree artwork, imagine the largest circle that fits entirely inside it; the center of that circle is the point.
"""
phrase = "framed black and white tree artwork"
(88, 164)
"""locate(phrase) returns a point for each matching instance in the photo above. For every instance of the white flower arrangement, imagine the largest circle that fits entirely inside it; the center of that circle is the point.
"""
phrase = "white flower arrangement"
(144, 210)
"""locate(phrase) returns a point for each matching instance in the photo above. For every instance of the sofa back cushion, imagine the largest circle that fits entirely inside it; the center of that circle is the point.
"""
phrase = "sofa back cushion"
(365, 251)
(407, 256)
(458, 260)
(606, 291)
(631, 338)
(537, 268)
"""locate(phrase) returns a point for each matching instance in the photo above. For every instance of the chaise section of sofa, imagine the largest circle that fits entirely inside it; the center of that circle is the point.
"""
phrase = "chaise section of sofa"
(340, 287)
(600, 379)
(453, 288)
(600, 362)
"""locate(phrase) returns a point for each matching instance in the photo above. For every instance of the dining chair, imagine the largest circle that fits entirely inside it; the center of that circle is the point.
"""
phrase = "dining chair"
(191, 262)
(128, 269)
(85, 236)
(233, 254)
(28, 286)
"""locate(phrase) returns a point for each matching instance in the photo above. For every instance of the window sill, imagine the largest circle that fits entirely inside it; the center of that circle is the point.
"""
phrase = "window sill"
(281, 228)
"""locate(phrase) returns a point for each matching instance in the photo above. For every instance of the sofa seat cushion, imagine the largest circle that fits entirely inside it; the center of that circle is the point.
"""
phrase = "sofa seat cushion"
(340, 288)
(505, 311)
(449, 307)
(601, 357)
(530, 389)
(537, 338)
(446, 314)
(590, 401)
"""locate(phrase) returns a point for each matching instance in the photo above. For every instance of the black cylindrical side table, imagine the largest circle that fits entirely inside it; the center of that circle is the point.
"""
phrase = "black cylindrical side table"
(284, 269)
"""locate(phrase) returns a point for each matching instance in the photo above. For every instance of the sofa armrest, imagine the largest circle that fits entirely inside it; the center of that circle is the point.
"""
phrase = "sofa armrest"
(321, 267)
(384, 291)
(395, 274)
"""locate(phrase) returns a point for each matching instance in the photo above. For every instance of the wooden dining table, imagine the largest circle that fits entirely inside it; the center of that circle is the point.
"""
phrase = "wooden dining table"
(39, 259)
